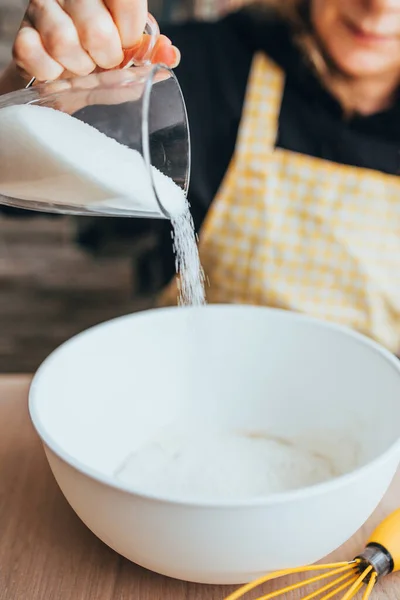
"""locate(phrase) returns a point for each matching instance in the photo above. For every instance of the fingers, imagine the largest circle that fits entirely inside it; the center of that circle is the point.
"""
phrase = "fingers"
(31, 57)
(59, 36)
(164, 52)
(130, 18)
(97, 31)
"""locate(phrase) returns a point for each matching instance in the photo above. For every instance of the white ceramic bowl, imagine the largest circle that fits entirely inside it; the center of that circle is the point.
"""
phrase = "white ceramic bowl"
(242, 367)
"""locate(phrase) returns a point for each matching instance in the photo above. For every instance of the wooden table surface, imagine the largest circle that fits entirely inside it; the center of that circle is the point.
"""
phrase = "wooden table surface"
(46, 553)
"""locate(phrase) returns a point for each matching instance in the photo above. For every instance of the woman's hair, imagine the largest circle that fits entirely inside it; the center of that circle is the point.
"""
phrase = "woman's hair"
(297, 14)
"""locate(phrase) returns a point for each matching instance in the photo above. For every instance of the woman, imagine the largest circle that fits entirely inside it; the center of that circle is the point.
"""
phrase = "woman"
(295, 126)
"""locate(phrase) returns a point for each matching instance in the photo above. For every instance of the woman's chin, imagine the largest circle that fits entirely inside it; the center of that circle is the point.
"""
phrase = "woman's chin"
(363, 64)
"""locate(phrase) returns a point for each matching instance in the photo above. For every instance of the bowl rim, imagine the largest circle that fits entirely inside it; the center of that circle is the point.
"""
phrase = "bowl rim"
(260, 501)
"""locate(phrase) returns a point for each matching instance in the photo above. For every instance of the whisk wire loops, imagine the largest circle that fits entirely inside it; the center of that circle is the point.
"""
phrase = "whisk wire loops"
(349, 582)
(370, 586)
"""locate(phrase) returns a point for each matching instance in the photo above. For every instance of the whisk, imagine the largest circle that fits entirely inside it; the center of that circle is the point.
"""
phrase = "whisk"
(380, 557)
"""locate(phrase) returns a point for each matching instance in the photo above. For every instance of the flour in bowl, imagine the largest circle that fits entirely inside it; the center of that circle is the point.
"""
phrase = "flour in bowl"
(49, 156)
(222, 466)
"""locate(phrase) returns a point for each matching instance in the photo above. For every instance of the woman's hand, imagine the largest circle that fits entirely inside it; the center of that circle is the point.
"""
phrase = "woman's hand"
(63, 38)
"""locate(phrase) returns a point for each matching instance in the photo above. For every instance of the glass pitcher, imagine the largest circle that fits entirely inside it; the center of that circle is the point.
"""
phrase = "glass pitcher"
(51, 160)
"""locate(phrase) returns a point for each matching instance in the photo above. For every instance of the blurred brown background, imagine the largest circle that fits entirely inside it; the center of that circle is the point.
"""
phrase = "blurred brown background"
(50, 287)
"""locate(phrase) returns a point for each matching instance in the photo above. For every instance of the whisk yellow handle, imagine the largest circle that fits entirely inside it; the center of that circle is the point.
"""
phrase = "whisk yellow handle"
(387, 534)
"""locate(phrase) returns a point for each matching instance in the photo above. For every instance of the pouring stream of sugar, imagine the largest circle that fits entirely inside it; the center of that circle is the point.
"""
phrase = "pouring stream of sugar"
(51, 157)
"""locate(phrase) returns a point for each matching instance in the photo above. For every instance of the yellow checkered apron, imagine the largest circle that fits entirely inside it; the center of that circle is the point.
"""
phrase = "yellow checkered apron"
(301, 233)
